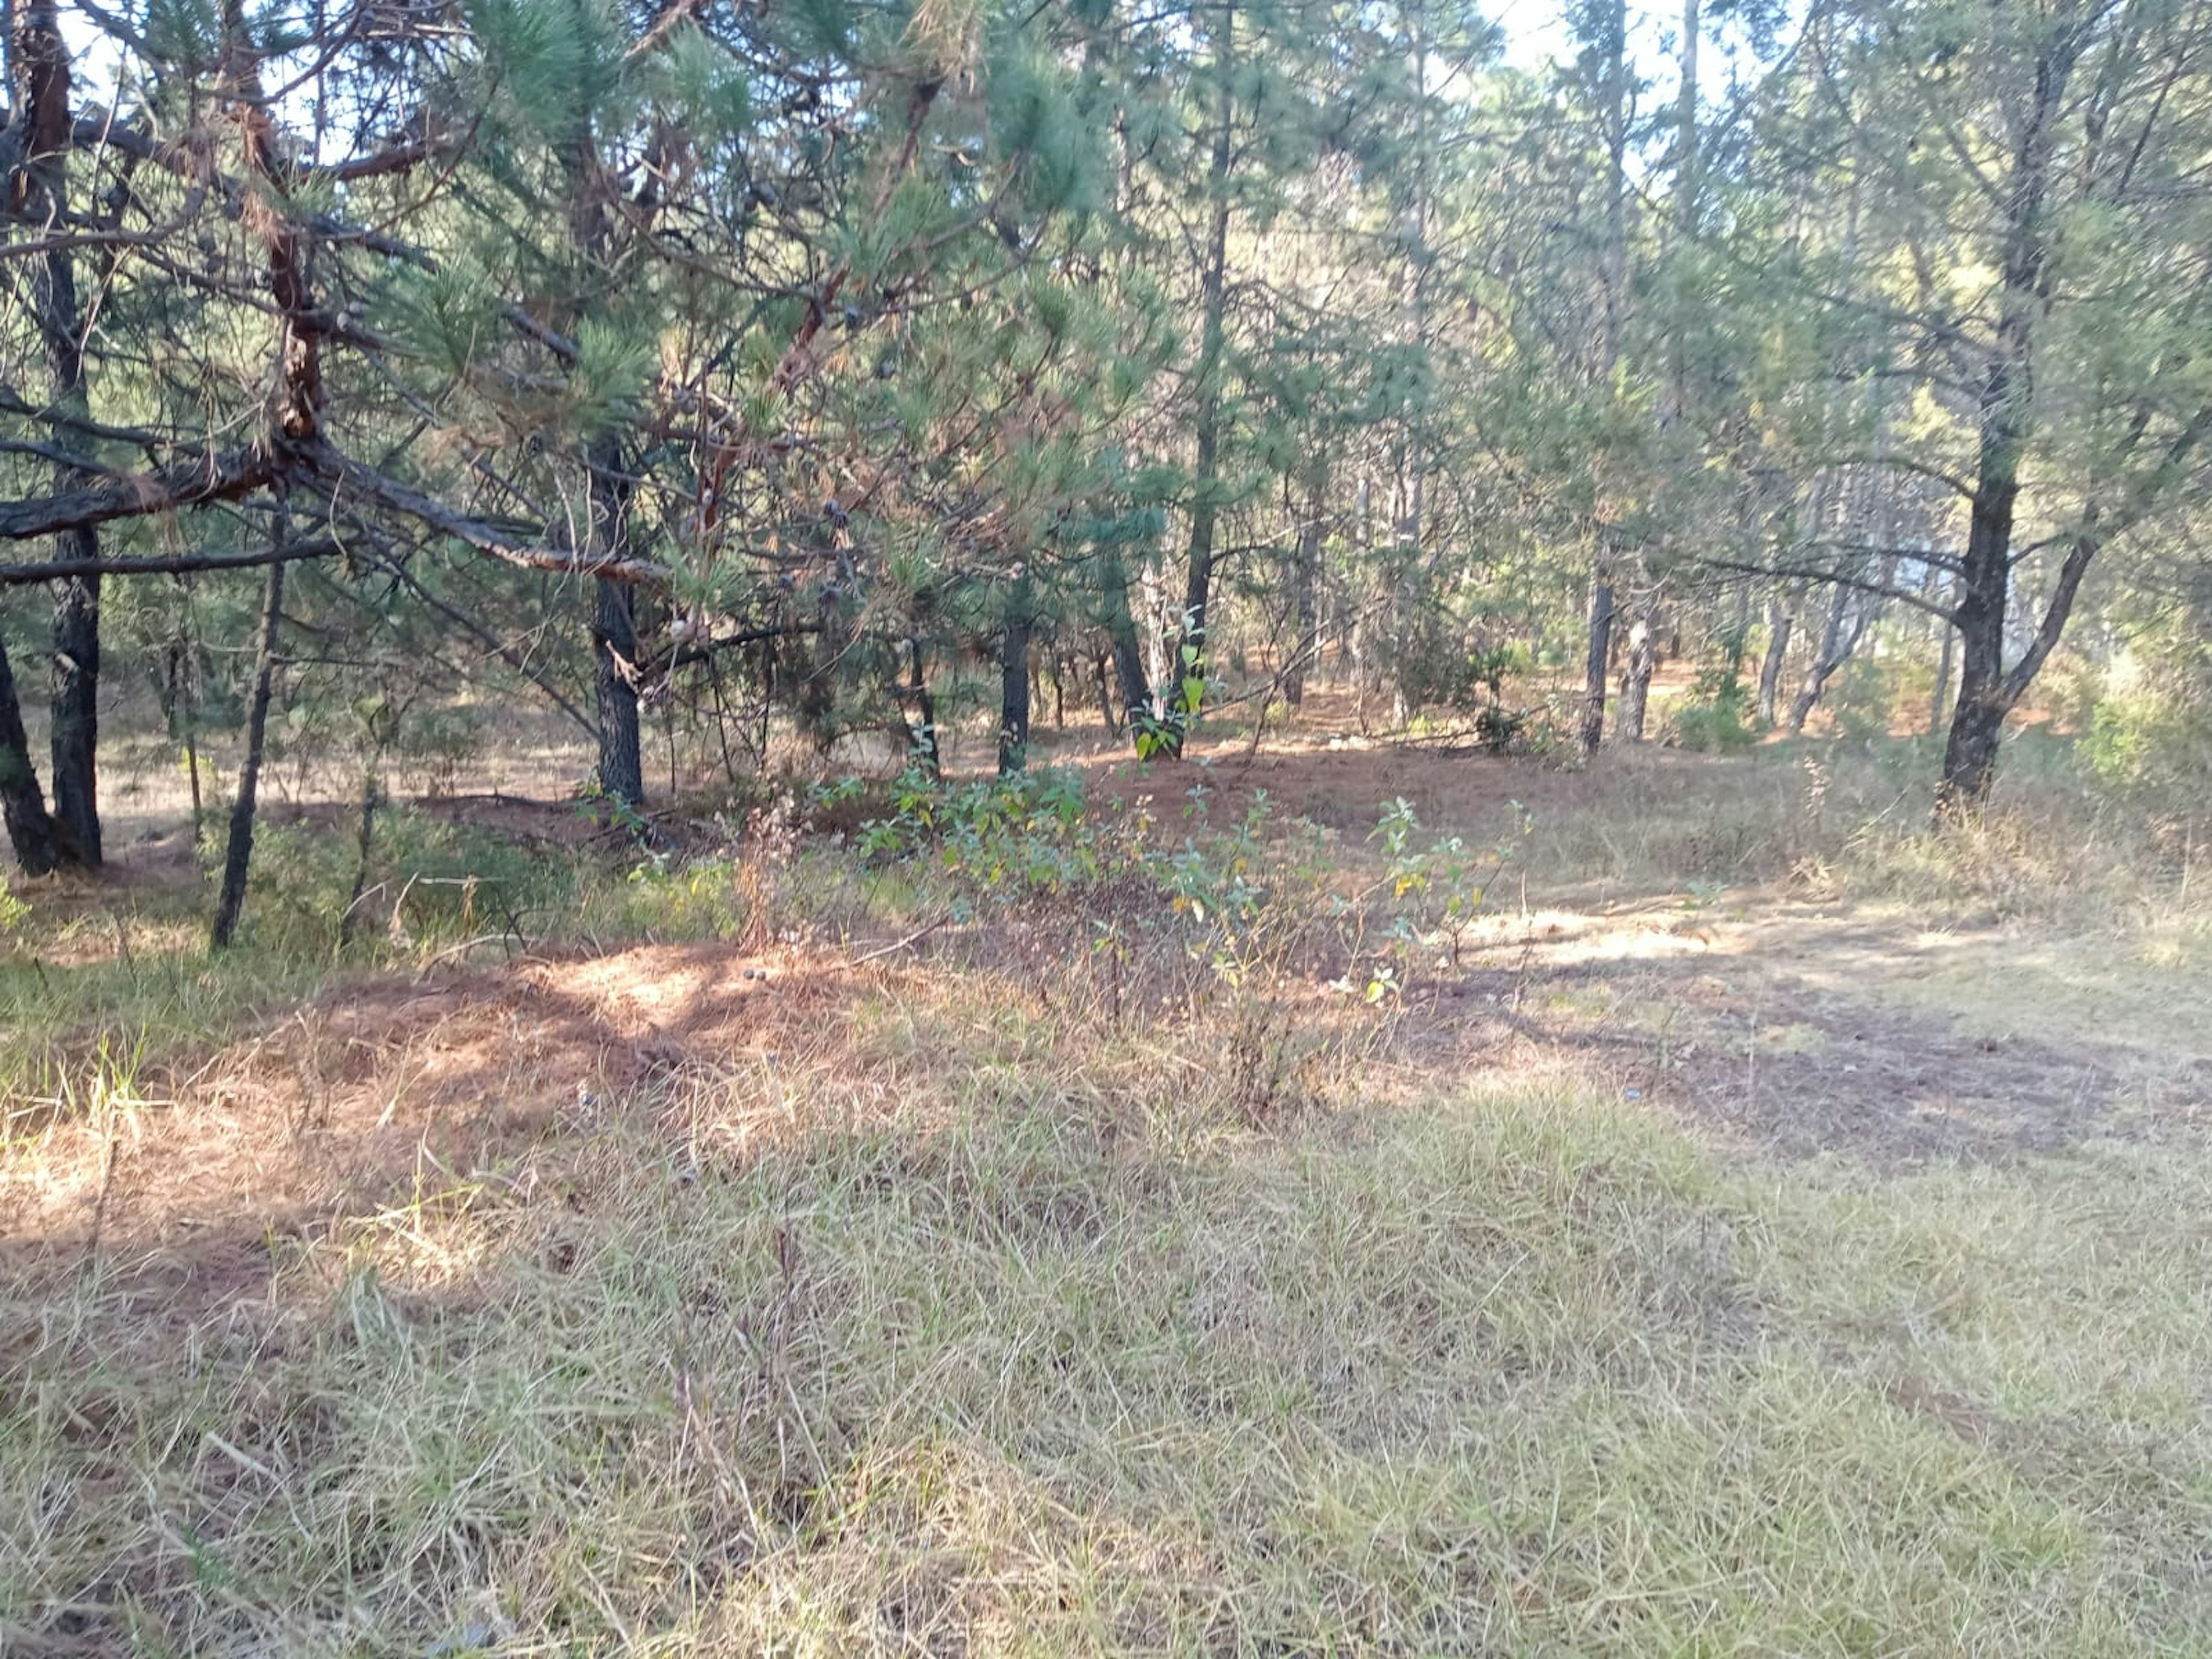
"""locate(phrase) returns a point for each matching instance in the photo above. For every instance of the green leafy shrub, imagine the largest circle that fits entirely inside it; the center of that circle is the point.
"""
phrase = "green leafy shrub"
(2150, 731)
(427, 880)
(997, 840)
(1713, 719)
(1861, 698)
(1435, 892)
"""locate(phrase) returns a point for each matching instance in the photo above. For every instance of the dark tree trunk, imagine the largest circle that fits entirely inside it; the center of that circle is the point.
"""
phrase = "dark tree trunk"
(614, 659)
(39, 200)
(1128, 655)
(1306, 584)
(75, 734)
(1781, 623)
(1181, 697)
(1970, 754)
(238, 850)
(614, 633)
(614, 626)
(817, 699)
(22, 806)
(2004, 415)
(926, 748)
(1106, 715)
(1014, 689)
(1598, 663)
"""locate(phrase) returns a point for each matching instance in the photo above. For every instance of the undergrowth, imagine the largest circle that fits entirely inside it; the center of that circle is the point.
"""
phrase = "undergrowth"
(1099, 1264)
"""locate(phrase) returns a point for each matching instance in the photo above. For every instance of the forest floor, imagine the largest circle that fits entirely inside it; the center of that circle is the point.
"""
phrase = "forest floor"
(1756, 1233)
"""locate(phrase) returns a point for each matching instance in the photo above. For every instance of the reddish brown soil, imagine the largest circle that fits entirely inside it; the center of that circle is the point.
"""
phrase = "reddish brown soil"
(376, 1091)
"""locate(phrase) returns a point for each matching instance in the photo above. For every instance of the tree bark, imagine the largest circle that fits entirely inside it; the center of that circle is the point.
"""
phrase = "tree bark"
(614, 631)
(238, 850)
(364, 848)
(1612, 274)
(1183, 692)
(614, 665)
(926, 748)
(614, 627)
(1014, 685)
(41, 200)
(1306, 582)
(1127, 652)
(1837, 641)
(1597, 663)
(1642, 662)
(75, 719)
(22, 803)
(2004, 412)
(1106, 717)
(1781, 623)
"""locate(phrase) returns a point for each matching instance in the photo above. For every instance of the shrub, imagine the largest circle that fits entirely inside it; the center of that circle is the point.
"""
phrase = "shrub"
(427, 879)
(1862, 699)
(2150, 731)
(1712, 720)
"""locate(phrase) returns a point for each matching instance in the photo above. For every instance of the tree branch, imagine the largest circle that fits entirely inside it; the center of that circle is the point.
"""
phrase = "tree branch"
(1840, 579)
(178, 564)
(369, 485)
(195, 483)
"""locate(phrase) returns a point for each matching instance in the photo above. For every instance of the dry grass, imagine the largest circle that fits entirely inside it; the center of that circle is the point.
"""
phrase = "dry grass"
(709, 1299)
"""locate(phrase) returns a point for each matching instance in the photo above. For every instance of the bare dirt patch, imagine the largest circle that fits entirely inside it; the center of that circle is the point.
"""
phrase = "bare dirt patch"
(1745, 1029)
(373, 1091)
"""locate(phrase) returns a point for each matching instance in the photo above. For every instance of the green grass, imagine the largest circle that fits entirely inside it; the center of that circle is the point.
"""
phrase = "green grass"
(77, 1028)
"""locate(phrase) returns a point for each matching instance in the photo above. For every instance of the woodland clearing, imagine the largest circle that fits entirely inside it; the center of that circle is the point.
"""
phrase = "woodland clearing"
(1722, 1245)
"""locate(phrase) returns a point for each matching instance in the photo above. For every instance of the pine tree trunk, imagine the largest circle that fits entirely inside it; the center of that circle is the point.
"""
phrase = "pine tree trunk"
(1306, 582)
(1128, 653)
(1970, 754)
(1977, 718)
(238, 851)
(614, 626)
(614, 634)
(1826, 660)
(76, 733)
(1598, 662)
(1014, 688)
(1635, 684)
(1643, 661)
(1612, 274)
(816, 701)
(2004, 421)
(925, 707)
(613, 650)
(1106, 715)
(23, 805)
(41, 186)
(1781, 623)
(1181, 694)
